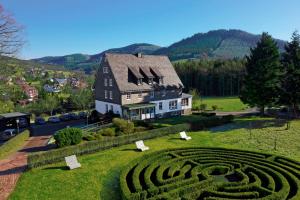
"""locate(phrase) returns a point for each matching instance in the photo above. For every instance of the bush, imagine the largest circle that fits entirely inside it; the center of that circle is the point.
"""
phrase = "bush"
(203, 107)
(107, 132)
(214, 107)
(68, 136)
(123, 126)
(89, 137)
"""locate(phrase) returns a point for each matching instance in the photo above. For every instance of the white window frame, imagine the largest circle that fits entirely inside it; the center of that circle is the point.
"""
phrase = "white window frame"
(110, 94)
(128, 96)
(105, 94)
(164, 93)
(105, 70)
(140, 95)
(160, 106)
(173, 105)
(185, 102)
(152, 94)
(105, 81)
(110, 82)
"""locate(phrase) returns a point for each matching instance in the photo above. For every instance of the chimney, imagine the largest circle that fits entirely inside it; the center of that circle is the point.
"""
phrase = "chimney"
(139, 55)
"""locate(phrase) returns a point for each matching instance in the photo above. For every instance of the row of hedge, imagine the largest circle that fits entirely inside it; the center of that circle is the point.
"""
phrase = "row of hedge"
(13, 144)
(259, 176)
(52, 156)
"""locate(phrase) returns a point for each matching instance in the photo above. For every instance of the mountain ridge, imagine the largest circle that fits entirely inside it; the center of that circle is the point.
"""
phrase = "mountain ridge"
(215, 44)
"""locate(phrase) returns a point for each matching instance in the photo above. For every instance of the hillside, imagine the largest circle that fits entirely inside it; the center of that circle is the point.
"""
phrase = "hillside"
(89, 62)
(218, 44)
(224, 44)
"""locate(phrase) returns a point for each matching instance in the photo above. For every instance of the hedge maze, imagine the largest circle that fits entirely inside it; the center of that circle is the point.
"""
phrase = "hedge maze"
(211, 174)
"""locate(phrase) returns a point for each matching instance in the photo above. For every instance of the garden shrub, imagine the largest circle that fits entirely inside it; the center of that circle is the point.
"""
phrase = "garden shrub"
(203, 106)
(107, 132)
(68, 136)
(214, 107)
(123, 126)
(89, 137)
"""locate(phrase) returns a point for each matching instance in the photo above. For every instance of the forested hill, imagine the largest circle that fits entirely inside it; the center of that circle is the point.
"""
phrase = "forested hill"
(90, 62)
(218, 44)
(224, 44)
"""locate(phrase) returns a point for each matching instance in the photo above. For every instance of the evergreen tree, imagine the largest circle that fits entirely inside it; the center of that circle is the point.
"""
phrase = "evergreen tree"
(263, 70)
(290, 94)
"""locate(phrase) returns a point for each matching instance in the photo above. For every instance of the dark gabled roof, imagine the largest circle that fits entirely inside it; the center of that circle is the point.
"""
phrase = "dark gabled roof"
(156, 71)
(121, 64)
(135, 72)
(146, 71)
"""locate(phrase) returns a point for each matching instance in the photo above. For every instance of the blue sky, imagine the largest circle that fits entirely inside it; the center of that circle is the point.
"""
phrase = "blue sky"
(60, 27)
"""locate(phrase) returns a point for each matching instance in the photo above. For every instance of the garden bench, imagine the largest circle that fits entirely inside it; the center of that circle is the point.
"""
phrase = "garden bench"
(184, 136)
(140, 145)
(72, 162)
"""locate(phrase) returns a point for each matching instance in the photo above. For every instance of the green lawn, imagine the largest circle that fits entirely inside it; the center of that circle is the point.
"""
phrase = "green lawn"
(225, 104)
(99, 174)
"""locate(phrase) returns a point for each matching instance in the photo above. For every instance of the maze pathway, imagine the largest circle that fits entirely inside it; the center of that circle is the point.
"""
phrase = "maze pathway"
(210, 174)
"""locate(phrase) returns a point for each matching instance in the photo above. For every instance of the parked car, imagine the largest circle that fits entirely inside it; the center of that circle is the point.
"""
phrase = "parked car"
(65, 117)
(82, 115)
(8, 133)
(40, 121)
(23, 122)
(74, 116)
(53, 119)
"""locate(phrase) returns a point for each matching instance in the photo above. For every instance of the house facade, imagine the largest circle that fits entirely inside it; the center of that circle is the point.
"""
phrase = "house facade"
(139, 87)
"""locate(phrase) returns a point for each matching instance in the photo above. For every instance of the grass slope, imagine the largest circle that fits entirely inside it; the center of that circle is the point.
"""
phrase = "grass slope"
(225, 104)
(13, 145)
(99, 176)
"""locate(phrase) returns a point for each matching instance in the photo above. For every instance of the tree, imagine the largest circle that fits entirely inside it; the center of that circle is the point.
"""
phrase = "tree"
(290, 93)
(50, 103)
(263, 71)
(11, 39)
(81, 100)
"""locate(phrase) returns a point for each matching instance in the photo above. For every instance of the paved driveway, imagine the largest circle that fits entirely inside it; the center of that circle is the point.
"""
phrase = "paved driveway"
(51, 128)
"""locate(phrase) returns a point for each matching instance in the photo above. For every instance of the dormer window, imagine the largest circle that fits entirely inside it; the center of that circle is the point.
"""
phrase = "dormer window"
(160, 81)
(140, 81)
(105, 70)
(150, 81)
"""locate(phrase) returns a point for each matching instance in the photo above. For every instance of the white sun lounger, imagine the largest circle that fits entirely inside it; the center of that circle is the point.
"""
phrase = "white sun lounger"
(72, 162)
(184, 136)
(140, 145)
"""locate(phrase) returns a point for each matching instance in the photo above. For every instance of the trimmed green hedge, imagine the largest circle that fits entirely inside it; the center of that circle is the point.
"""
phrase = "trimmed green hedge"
(43, 158)
(57, 155)
(13, 144)
(194, 173)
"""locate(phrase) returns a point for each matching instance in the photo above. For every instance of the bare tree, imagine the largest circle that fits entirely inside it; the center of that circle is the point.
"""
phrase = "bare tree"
(11, 40)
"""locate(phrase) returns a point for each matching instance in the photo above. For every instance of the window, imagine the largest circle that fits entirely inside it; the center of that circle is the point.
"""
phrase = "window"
(110, 82)
(110, 95)
(152, 94)
(105, 70)
(150, 81)
(106, 108)
(105, 82)
(185, 102)
(112, 108)
(173, 105)
(160, 81)
(105, 94)
(140, 81)
(140, 95)
(128, 96)
(163, 93)
(160, 106)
